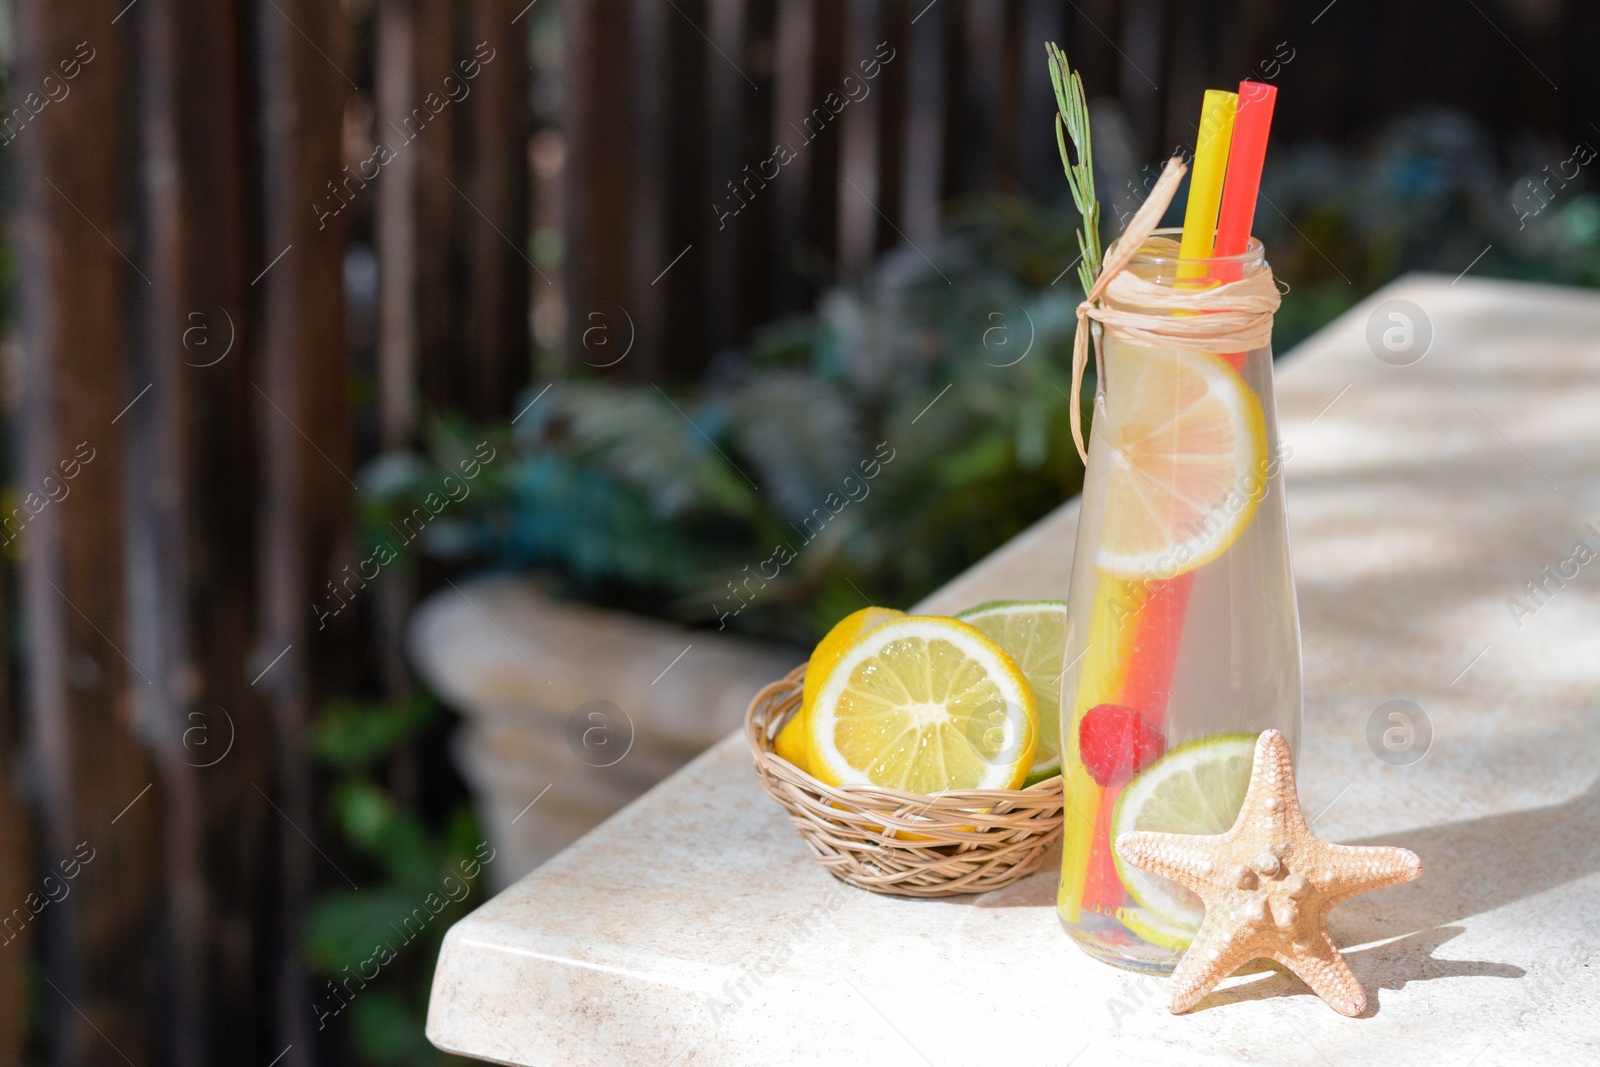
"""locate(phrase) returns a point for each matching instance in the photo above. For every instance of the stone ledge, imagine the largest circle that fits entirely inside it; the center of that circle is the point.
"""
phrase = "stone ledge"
(519, 665)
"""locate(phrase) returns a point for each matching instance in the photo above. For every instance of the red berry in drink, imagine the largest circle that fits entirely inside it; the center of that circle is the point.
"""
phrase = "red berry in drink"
(1116, 743)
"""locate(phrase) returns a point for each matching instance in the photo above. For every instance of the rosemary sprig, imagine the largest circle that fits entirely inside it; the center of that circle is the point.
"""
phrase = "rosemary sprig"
(1072, 121)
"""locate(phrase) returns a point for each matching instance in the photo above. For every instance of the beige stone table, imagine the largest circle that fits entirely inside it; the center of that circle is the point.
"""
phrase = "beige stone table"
(1435, 509)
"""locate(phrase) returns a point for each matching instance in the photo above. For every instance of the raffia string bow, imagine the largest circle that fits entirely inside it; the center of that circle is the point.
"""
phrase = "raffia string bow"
(1231, 317)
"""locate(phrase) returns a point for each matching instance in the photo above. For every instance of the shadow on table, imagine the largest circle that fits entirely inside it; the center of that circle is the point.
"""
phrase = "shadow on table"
(1469, 867)
(1391, 965)
(1037, 890)
(1478, 865)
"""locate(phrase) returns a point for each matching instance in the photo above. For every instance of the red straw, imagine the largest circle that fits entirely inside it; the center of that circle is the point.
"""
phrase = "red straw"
(1153, 660)
(1149, 682)
(1245, 157)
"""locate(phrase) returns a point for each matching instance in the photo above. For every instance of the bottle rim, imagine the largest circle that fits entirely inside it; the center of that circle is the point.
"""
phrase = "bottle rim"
(1254, 251)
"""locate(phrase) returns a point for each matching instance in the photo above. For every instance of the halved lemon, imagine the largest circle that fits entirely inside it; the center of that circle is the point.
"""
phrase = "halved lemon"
(1034, 632)
(1187, 465)
(924, 704)
(791, 741)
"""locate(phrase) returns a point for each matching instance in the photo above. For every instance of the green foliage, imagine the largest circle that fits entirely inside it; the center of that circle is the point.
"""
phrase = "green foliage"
(1429, 192)
(418, 885)
(677, 502)
(945, 377)
(352, 736)
(388, 1030)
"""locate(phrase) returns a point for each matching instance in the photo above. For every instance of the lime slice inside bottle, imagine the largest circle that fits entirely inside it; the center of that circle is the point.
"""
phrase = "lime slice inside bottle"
(1156, 930)
(1034, 632)
(1196, 788)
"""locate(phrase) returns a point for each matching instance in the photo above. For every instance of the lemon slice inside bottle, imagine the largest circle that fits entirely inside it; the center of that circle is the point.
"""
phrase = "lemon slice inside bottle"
(1187, 465)
(924, 704)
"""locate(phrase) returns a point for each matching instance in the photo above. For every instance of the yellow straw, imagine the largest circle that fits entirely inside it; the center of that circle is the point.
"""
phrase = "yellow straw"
(1205, 181)
(1110, 639)
(1105, 665)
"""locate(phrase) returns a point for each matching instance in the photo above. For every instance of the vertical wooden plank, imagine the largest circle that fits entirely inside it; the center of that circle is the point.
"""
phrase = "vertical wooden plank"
(794, 75)
(726, 93)
(1579, 38)
(548, 162)
(955, 164)
(922, 183)
(454, 208)
(303, 416)
(892, 87)
(649, 114)
(1240, 41)
(817, 258)
(191, 523)
(980, 150)
(597, 91)
(1139, 75)
(1008, 176)
(1039, 160)
(1087, 27)
(685, 274)
(547, 158)
(75, 273)
(753, 229)
(394, 79)
(16, 844)
(498, 267)
(157, 543)
(220, 590)
(859, 191)
(397, 224)
(1184, 82)
(433, 132)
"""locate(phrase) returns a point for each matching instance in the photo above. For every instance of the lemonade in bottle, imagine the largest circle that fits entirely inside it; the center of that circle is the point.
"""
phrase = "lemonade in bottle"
(1184, 642)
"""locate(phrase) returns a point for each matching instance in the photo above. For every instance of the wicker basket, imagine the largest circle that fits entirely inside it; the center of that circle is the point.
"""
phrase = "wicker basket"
(961, 841)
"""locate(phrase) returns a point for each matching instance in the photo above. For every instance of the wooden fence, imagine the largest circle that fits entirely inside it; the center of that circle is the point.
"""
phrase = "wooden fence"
(189, 206)
(261, 240)
(674, 115)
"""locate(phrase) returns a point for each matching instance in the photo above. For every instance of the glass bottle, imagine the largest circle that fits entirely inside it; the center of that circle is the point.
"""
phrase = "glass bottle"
(1185, 638)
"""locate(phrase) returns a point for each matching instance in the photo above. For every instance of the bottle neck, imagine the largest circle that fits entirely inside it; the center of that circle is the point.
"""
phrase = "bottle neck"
(1157, 261)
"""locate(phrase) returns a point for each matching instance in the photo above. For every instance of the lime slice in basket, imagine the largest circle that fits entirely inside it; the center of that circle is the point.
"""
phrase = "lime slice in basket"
(1196, 788)
(1035, 633)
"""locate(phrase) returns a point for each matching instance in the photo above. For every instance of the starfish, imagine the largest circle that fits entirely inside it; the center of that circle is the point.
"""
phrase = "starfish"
(1268, 884)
